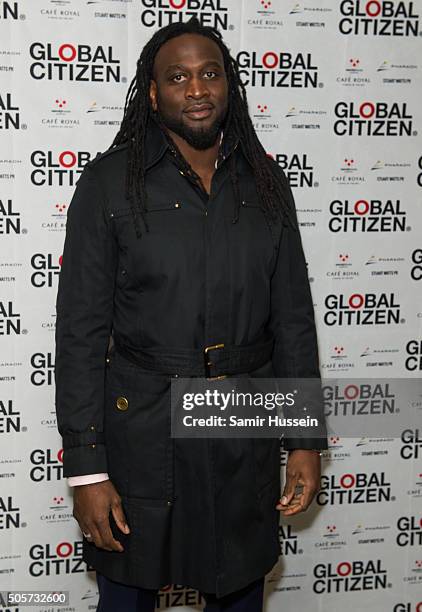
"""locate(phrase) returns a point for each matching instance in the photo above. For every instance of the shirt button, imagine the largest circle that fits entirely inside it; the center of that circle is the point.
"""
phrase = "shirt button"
(206, 213)
(122, 403)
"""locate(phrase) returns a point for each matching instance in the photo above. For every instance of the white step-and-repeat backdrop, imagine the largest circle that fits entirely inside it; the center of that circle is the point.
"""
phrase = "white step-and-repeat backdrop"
(335, 94)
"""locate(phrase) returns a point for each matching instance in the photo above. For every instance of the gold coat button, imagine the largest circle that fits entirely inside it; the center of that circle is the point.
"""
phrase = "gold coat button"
(122, 403)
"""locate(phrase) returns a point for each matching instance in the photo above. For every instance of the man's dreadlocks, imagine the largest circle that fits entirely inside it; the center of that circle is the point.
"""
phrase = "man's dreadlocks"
(272, 193)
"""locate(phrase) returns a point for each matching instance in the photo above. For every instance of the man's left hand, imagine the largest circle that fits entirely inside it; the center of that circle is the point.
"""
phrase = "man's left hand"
(303, 470)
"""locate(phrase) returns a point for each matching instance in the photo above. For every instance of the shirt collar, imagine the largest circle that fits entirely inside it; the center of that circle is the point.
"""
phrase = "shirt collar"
(156, 145)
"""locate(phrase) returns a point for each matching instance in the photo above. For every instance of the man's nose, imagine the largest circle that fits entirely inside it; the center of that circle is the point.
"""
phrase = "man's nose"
(196, 88)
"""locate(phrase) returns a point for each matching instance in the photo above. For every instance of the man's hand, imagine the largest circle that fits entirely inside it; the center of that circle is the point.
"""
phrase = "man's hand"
(91, 507)
(304, 470)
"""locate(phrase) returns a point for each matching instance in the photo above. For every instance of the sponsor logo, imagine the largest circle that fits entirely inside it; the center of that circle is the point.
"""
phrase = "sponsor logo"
(350, 576)
(412, 444)
(409, 531)
(47, 466)
(343, 268)
(10, 319)
(353, 75)
(56, 560)
(348, 173)
(416, 492)
(56, 222)
(277, 69)
(379, 357)
(288, 541)
(10, 117)
(330, 539)
(361, 309)
(339, 359)
(370, 534)
(104, 113)
(298, 169)
(10, 219)
(265, 16)
(10, 514)
(367, 216)
(46, 270)
(373, 119)
(408, 607)
(9, 10)
(398, 71)
(62, 169)
(74, 62)
(43, 369)
(379, 261)
(305, 119)
(378, 18)
(381, 168)
(60, 115)
(414, 350)
(159, 13)
(263, 120)
(356, 400)
(416, 270)
(59, 13)
(10, 418)
(359, 488)
(58, 511)
(309, 16)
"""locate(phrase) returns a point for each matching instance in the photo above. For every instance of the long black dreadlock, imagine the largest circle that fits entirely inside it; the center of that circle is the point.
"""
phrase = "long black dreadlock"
(272, 192)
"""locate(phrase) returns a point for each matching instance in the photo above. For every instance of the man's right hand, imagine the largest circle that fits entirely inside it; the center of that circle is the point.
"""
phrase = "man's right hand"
(91, 508)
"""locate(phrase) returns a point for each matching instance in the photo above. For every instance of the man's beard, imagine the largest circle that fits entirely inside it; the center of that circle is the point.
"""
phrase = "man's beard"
(198, 138)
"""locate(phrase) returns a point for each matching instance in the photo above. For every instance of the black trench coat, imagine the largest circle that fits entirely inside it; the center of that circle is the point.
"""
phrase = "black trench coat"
(201, 511)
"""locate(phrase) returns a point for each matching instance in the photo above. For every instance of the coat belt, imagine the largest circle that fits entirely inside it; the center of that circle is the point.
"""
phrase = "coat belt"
(213, 361)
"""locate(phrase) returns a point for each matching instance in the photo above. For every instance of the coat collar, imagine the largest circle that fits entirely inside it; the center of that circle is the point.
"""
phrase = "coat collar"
(156, 145)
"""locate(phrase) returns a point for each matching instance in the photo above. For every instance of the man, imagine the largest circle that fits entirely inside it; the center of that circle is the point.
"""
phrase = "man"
(182, 242)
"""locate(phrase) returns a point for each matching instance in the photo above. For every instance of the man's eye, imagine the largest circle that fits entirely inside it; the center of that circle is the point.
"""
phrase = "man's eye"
(176, 76)
(208, 72)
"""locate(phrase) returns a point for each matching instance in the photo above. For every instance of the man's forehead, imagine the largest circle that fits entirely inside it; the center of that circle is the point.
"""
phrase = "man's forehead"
(189, 50)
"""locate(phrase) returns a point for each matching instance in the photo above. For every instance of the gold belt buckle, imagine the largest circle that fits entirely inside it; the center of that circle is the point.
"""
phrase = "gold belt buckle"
(207, 349)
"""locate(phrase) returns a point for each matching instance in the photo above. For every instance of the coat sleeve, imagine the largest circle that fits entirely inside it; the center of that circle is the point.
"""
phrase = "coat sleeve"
(84, 309)
(292, 323)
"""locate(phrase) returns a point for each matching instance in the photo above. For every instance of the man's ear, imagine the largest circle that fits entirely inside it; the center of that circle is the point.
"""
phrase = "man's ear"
(153, 94)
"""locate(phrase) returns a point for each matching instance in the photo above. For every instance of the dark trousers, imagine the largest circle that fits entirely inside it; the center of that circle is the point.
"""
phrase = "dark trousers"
(115, 596)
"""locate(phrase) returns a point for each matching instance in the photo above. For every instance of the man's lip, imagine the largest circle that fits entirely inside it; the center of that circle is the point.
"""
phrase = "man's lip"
(200, 112)
(198, 108)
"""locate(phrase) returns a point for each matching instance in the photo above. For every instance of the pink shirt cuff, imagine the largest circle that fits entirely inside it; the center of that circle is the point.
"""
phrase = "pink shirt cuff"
(75, 481)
